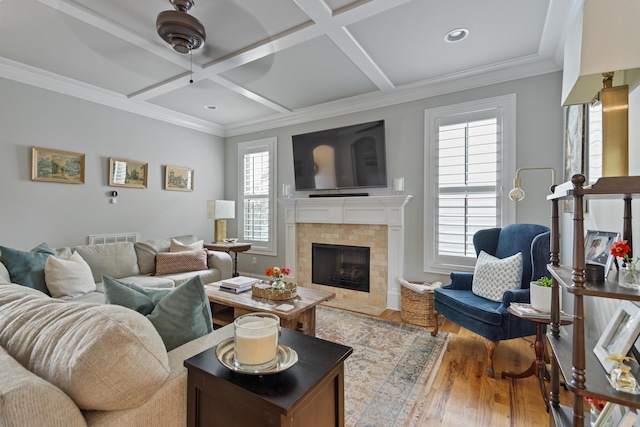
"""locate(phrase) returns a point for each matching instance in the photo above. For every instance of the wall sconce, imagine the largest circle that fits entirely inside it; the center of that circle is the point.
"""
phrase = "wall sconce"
(220, 211)
(517, 193)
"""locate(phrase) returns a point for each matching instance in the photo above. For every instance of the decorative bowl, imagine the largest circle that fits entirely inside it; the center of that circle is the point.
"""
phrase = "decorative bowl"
(231, 240)
(263, 289)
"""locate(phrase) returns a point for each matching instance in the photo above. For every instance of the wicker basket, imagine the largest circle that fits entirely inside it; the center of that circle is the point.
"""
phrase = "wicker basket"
(417, 308)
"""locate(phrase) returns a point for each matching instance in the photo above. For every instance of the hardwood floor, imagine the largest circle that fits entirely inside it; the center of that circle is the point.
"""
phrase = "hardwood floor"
(463, 395)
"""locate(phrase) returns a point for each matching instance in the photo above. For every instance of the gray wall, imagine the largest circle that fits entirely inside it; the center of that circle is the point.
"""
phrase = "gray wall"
(63, 214)
(539, 143)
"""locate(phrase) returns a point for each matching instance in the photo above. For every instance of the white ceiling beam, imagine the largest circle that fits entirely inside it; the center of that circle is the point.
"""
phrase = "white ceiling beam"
(335, 29)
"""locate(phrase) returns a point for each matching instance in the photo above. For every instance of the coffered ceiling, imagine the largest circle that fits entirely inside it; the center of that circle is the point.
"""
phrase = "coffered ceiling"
(269, 63)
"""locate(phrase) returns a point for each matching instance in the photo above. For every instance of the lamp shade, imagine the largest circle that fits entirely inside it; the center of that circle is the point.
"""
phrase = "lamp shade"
(221, 209)
(603, 38)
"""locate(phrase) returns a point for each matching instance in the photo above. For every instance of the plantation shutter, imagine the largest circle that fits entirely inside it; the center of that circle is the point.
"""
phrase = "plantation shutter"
(468, 180)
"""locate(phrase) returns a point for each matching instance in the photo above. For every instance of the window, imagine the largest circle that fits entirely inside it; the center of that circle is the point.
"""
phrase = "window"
(256, 186)
(467, 150)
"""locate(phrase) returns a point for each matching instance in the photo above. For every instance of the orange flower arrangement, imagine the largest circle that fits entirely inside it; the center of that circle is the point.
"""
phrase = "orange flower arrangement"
(278, 273)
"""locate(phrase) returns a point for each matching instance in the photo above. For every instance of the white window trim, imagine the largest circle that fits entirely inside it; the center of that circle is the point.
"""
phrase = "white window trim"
(507, 104)
(267, 144)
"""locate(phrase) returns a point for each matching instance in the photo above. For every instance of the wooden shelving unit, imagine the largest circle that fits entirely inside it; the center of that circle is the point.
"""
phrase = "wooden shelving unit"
(572, 354)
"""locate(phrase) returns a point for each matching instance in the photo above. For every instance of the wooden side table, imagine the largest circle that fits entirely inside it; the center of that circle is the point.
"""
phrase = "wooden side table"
(310, 393)
(230, 247)
(538, 367)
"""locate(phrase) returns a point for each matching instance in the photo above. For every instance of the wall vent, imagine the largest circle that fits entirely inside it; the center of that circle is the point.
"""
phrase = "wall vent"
(95, 239)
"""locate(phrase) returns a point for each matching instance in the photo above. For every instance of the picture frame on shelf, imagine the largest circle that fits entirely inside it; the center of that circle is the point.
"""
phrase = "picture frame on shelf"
(574, 144)
(49, 165)
(619, 335)
(128, 173)
(177, 178)
(611, 415)
(597, 248)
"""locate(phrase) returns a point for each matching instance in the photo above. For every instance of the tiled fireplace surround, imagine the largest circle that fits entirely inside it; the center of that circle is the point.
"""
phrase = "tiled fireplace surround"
(373, 221)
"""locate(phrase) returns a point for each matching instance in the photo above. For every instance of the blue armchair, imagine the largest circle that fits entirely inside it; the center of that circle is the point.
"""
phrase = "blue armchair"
(490, 319)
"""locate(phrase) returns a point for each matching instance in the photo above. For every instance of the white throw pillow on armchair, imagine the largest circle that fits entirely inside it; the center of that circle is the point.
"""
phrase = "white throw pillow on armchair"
(493, 276)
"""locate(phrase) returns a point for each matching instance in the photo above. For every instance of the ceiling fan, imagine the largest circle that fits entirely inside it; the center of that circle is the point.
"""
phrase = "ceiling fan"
(181, 30)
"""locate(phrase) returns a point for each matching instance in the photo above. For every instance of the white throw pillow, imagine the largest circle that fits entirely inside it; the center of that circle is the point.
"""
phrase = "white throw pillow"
(71, 277)
(176, 246)
(493, 276)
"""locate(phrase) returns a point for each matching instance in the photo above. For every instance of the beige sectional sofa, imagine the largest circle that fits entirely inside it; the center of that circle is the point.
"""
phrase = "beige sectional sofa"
(136, 263)
(83, 364)
(75, 361)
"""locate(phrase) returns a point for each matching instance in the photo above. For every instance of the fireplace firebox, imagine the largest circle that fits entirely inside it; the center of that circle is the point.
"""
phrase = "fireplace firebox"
(341, 266)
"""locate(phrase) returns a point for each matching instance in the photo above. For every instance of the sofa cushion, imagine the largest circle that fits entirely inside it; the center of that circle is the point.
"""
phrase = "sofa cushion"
(147, 251)
(156, 282)
(176, 246)
(207, 276)
(28, 400)
(69, 277)
(113, 259)
(104, 357)
(493, 276)
(27, 268)
(179, 315)
(178, 262)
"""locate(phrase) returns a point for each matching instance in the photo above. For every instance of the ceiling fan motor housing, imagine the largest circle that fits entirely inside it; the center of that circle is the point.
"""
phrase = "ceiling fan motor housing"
(181, 30)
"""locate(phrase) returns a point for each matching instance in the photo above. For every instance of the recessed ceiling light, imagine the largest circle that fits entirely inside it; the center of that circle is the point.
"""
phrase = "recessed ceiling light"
(456, 35)
(210, 107)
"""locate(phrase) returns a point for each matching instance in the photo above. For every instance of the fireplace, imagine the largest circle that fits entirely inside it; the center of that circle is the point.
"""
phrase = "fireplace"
(340, 266)
(376, 222)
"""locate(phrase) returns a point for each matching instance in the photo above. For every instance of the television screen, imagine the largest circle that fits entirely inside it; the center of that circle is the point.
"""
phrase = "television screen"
(347, 157)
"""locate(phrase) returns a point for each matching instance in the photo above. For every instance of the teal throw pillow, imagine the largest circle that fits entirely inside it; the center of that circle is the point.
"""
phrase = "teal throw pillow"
(179, 315)
(27, 268)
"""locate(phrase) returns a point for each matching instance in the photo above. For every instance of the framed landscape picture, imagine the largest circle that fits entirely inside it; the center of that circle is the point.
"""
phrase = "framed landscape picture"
(57, 166)
(127, 173)
(177, 178)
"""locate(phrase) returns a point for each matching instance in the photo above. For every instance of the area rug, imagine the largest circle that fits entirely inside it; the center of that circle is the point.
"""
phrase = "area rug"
(391, 369)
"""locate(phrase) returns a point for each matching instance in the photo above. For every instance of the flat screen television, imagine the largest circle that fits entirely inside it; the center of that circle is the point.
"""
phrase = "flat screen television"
(347, 157)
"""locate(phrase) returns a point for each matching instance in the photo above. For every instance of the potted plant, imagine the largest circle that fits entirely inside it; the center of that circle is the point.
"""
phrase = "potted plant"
(540, 292)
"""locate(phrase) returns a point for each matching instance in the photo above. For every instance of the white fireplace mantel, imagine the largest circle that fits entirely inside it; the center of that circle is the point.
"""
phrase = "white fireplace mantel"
(378, 210)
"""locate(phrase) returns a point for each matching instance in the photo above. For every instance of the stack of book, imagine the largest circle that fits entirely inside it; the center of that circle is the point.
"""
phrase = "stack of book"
(527, 311)
(238, 284)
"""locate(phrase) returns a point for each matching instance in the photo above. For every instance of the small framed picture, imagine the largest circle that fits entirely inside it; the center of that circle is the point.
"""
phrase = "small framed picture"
(177, 178)
(611, 415)
(597, 248)
(620, 334)
(51, 165)
(127, 173)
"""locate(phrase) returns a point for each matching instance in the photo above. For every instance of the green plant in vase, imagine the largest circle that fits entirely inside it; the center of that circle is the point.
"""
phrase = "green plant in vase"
(540, 294)
(545, 282)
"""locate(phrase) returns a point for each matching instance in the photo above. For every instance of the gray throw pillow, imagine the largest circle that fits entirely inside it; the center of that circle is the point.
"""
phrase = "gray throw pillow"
(179, 315)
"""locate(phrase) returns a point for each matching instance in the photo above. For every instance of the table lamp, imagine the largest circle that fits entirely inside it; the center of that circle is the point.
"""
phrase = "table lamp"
(220, 211)
(601, 55)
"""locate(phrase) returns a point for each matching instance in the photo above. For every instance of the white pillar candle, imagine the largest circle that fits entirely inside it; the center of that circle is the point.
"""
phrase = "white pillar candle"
(256, 341)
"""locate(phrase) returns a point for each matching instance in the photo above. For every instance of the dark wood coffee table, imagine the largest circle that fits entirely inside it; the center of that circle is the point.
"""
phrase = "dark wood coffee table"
(310, 393)
(226, 306)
